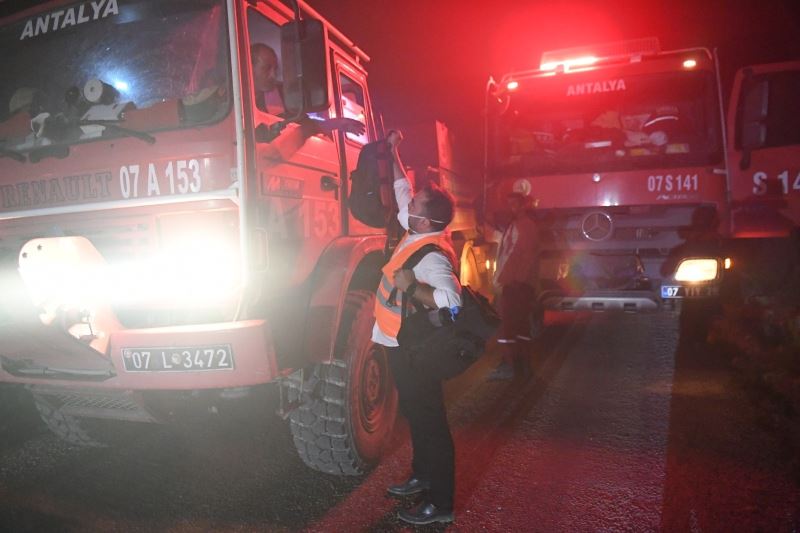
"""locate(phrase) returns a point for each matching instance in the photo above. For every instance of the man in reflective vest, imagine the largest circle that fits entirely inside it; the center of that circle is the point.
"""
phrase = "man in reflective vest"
(432, 283)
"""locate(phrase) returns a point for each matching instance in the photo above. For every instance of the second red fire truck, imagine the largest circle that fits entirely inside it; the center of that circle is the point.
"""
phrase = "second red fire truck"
(619, 146)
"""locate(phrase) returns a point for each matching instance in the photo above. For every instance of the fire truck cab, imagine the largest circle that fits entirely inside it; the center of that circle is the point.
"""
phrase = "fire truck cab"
(619, 147)
(165, 235)
(758, 251)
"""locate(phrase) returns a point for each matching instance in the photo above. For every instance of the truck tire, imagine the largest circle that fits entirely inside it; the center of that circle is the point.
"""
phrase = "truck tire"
(347, 418)
(64, 426)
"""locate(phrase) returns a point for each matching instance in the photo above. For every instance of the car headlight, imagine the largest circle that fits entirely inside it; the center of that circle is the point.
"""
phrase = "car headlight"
(697, 270)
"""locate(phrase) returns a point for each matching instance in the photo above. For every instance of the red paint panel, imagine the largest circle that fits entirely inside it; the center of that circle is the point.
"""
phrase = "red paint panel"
(180, 163)
(661, 186)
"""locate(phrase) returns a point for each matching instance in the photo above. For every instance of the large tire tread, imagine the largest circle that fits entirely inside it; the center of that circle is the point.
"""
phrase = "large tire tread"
(320, 426)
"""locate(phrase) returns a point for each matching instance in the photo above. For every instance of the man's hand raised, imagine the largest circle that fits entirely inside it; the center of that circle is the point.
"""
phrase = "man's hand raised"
(394, 139)
(347, 125)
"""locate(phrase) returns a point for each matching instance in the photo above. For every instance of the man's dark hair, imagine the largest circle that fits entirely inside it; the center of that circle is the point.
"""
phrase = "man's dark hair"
(439, 207)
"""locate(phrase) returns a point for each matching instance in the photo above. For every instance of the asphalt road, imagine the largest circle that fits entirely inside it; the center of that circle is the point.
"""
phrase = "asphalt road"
(623, 428)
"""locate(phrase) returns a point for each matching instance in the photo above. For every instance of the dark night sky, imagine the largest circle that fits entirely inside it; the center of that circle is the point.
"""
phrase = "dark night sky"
(431, 58)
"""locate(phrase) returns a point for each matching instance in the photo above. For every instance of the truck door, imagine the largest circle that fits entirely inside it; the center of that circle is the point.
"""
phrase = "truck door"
(352, 101)
(764, 150)
(299, 187)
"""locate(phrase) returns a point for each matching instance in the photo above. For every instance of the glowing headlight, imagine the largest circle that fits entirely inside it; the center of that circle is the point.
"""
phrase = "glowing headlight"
(68, 272)
(63, 272)
(195, 272)
(695, 270)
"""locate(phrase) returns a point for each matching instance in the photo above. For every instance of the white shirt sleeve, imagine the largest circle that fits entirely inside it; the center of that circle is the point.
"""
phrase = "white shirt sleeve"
(403, 194)
(435, 270)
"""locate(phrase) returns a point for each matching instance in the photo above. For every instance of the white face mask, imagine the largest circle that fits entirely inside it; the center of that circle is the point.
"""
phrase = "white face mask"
(405, 218)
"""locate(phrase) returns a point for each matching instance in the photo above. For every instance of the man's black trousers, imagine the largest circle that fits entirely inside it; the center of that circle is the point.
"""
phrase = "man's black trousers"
(422, 403)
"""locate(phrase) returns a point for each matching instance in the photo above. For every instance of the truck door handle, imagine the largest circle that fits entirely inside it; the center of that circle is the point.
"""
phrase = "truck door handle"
(329, 183)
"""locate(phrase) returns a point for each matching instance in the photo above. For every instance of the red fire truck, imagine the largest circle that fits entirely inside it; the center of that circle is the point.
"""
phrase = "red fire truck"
(156, 250)
(758, 251)
(619, 146)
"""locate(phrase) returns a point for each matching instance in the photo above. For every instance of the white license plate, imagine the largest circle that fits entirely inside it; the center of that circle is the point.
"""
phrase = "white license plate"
(178, 359)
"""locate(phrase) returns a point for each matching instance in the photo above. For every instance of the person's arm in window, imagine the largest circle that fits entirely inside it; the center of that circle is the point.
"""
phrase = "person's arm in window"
(290, 137)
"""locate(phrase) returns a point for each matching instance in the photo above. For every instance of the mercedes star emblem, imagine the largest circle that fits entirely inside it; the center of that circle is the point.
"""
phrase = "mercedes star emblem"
(597, 226)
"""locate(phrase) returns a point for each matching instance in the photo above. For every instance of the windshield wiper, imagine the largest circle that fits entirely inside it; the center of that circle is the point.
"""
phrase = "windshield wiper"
(12, 154)
(62, 149)
(111, 127)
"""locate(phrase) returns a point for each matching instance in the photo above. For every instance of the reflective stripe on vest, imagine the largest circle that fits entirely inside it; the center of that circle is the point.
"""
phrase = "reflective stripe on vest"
(388, 317)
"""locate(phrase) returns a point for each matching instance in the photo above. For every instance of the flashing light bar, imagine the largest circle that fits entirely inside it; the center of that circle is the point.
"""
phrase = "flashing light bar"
(570, 63)
(588, 55)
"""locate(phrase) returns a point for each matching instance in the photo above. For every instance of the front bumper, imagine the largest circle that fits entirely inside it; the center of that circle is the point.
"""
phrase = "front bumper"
(28, 361)
(630, 301)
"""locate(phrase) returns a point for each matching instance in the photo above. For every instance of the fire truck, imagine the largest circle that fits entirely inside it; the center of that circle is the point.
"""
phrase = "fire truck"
(758, 249)
(620, 147)
(164, 241)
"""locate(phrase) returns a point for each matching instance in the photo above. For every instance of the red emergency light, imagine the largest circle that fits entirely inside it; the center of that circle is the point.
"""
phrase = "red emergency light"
(569, 63)
(584, 56)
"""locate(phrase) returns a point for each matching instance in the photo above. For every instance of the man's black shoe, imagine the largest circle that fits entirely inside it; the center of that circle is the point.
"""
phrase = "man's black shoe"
(425, 513)
(412, 486)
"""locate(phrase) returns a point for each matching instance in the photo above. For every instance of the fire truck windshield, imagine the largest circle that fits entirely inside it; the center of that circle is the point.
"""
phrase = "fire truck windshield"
(593, 122)
(143, 52)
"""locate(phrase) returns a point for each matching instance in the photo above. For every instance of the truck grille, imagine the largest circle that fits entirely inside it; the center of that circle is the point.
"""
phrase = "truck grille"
(657, 228)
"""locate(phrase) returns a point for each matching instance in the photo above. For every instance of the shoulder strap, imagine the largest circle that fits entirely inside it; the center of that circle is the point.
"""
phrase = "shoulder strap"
(417, 256)
(409, 264)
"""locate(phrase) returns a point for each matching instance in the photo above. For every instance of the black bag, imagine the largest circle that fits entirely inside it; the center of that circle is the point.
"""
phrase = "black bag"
(446, 350)
(371, 197)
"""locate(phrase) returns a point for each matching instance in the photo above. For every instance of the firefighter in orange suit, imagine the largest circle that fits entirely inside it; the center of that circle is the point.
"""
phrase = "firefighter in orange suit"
(432, 283)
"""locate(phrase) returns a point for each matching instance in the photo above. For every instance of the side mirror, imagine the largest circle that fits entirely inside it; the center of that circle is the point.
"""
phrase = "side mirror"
(756, 102)
(305, 73)
(753, 134)
(754, 112)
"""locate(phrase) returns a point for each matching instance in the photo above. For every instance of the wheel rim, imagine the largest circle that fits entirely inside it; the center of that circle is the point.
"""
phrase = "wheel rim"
(374, 377)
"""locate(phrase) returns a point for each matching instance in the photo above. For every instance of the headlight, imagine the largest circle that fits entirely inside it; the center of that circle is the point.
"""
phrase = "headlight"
(696, 270)
(189, 272)
(198, 272)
